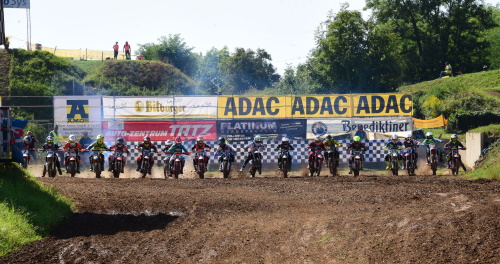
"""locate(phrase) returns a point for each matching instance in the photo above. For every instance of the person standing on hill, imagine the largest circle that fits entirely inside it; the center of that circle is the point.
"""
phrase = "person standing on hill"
(115, 50)
(127, 50)
(447, 70)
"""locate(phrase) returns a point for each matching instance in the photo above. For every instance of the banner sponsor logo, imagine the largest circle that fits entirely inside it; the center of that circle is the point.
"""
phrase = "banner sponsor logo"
(160, 130)
(77, 110)
(351, 105)
(159, 107)
(387, 125)
(75, 115)
(234, 130)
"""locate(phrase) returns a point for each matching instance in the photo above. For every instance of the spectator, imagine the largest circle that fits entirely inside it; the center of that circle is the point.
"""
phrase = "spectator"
(85, 141)
(115, 50)
(361, 133)
(447, 70)
(127, 50)
(32, 140)
(57, 137)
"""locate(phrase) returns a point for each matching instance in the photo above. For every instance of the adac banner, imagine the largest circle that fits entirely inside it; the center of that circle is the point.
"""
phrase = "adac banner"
(160, 107)
(241, 129)
(387, 125)
(75, 114)
(159, 130)
(315, 106)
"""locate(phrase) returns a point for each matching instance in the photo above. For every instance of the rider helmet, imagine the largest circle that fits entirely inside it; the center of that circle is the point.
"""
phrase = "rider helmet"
(50, 140)
(119, 141)
(360, 127)
(394, 138)
(199, 140)
(329, 137)
(146, 140)
(317, 139)
(357, 139)
(222, 140)
(178, 140)
(408, 136)
(429, 135)
(285, 140)
(169, 143)
(100, 138)
(29, 133)
(27, 140)
(257, 139)
(454, 137)
(72, 139)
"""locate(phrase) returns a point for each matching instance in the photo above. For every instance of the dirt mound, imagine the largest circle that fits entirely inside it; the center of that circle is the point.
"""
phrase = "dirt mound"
(366, 219)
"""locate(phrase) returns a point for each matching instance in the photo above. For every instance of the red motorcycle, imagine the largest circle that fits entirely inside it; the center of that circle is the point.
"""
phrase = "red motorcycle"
(456, 160)
(200, 163)
(315, 163)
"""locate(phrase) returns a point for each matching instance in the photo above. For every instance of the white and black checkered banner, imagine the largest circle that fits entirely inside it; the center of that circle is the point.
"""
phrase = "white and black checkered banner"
(246, 129)
(375, 153)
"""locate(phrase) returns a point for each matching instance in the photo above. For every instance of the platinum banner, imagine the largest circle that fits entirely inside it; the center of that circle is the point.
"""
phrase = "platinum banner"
(157, 108)
(246, 129)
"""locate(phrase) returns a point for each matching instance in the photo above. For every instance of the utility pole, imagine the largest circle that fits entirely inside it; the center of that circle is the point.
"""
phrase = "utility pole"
(2, 24)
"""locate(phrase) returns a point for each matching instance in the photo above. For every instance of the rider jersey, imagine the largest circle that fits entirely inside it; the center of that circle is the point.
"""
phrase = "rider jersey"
(121, 148)
(53, 147)
(454, 144)
(285, 146)
(356, 146)
(73, 146)
(431, 140)
(200, 147)
(177, 148)
(254, 145)
(97, 146)
(412, 143)
(332, 143)
(315, 146)
(392, 145)
(224, 148)
(147, 146)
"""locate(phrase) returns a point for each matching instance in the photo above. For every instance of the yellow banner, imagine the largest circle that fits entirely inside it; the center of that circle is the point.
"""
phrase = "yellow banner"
(311, 106)
(432, 123)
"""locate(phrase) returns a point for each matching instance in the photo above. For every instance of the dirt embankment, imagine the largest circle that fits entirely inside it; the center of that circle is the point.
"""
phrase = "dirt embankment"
(346, 219)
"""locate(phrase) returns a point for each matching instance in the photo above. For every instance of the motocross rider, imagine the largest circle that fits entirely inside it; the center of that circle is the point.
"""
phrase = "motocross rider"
(331, 143)
(100, 146)
(317, 144)
(72, 144)
(394, 143)
(255, 145)
(178, 148)
(33, 140)
(411, 143)
(222, 148)
(146, 145)
(199, 146)
(453, 144)
(54, 147)
(285, 145)
(429, 138)
(356, 146)
(118, 147)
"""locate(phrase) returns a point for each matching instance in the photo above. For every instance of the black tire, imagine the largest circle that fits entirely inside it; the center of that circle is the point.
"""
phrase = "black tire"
(25, 163)
(201, 170)
(357, 167)
(97, 170)
(318, 169)
(166, 171)
(225, 169)
(395, 168)
(176, 172)
(252, 171)
(72, 169)
(332, 167)
(51, 170)
(117, 170)
(284, 167)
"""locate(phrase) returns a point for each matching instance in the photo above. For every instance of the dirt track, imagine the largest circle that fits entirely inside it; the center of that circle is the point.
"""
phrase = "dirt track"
(346, 219)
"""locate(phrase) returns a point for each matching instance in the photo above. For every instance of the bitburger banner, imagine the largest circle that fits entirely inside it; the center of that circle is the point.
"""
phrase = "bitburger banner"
(165, 107)
(393, 125)
(241, 129)
(75, 115)
(159, 130)
(315, 106)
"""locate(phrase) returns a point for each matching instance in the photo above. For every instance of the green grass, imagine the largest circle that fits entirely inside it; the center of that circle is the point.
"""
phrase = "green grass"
(493, 129)
(86, 66)
(489, 168)
(28, 209)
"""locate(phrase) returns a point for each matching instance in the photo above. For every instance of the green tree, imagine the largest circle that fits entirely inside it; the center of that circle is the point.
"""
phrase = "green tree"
(493, 37)
(210, 77)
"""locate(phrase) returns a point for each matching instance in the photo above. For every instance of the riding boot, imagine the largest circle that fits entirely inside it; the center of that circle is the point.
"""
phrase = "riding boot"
(66, 168)
(337, 163)
(243, 167)
(102, 165)
(138, 166)
(44, 171)
(111, 165)
(448, 164)
(182, 169)
(59, 170)
(387, 165)
(122, 171)
(403, 165)
(149, 170)
(78, 168)
(463, 166)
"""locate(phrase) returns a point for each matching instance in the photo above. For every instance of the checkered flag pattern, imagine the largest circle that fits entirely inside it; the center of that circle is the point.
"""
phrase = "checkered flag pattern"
(375, 153)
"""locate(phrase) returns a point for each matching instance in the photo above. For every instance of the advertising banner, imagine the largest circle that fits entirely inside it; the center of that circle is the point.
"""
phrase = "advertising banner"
(241, 129)
(432, 123)
(388, 125)
(74, 114)
(315, 106)
(159, 107)
(159, 130)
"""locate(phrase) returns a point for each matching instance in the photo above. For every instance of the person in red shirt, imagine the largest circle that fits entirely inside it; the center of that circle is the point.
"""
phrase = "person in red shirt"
(118, 147)
(72, 144)
(115, 50)
(127, 50)
(317, 144)
(199, 146)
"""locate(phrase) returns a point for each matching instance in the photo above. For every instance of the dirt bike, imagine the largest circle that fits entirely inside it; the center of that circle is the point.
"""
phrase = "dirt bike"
(118, 164)
(410, 161)
(96, 163)
(71, 156)
(331, 161)
(50, 163)
(176, 167)
(433, 157)
(145, 163)
(456, 160)
(394, 161)
(224, 163)
(166, 166)
(26, 158)
(200, 164)
(315, 163)
(286, 162)
(356, 163)
(255, 163)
